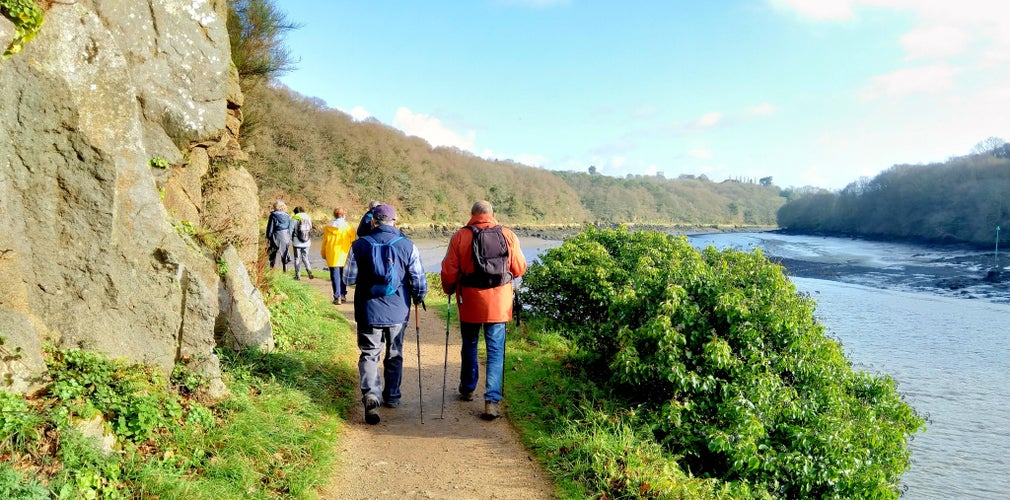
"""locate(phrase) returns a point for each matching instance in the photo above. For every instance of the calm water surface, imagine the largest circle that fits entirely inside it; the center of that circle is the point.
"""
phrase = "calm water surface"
(950, 356)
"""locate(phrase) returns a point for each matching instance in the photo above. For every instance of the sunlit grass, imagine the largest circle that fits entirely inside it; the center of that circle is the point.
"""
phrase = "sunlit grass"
(275, 437)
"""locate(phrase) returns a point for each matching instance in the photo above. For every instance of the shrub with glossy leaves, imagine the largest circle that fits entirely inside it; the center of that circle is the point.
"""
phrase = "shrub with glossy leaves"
(728, 364)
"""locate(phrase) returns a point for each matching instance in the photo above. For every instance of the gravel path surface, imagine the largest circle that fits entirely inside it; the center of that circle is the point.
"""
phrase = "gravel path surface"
(457, 456)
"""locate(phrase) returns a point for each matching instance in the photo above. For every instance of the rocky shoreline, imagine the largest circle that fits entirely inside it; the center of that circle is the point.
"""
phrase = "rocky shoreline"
(564, 231)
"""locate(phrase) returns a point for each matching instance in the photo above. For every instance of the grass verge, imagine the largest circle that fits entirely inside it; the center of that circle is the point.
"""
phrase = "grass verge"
(273, 438)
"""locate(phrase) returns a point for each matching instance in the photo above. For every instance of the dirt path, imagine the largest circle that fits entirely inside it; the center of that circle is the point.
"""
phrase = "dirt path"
(459, 456)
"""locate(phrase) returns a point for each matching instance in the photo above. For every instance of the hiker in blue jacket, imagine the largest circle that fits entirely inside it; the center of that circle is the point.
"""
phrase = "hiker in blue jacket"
(365, 225)
(381, 318)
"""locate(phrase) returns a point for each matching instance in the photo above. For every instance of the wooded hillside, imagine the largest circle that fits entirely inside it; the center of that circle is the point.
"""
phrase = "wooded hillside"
(961, 200)
(308, 154)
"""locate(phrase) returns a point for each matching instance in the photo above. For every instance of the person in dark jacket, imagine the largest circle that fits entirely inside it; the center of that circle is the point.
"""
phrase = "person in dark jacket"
(279, 236)
(365, 225)
(381, 320)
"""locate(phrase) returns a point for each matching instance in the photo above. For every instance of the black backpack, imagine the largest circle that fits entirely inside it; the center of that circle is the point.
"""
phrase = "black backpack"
(490, 259)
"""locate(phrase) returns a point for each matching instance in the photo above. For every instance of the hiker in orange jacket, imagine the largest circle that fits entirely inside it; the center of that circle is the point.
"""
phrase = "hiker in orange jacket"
(486, 305)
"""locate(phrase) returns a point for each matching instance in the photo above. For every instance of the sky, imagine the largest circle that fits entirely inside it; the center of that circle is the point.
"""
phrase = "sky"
(810, 92)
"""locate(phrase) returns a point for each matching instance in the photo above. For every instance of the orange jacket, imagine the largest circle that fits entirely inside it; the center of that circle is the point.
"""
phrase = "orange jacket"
(492, 305)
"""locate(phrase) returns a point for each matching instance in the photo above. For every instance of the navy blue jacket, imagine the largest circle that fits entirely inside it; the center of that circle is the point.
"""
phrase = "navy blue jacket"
(391, 309)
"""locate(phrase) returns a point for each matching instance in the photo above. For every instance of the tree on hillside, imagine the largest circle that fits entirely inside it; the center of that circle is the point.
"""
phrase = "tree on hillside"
(256, 29)
(988, 146)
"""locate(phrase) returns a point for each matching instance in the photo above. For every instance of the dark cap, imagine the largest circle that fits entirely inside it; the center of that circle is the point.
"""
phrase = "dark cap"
(384, 213)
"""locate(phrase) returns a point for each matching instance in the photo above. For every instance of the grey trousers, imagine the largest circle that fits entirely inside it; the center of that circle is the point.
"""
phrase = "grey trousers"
(372, 341)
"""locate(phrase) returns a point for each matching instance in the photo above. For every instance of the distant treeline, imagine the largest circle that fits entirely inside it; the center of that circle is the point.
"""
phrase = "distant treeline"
(308, 154)
(962, 200)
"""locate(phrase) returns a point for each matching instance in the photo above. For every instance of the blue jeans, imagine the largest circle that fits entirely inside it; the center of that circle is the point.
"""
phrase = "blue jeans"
(494, 341)
(372, 340)
(339, 287)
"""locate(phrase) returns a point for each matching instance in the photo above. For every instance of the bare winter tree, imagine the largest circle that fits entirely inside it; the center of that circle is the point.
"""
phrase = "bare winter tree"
(988, 146)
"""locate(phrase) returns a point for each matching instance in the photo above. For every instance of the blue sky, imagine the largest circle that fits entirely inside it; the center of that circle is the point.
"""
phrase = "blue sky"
(810, 92)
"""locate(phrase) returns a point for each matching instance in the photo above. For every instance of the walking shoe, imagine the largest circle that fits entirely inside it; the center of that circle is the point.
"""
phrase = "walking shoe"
(371, 410)
(491, 411)
(343, 299)
(391, 403)
(311, 277)
(464, 394)
(336, 302)
(297, 278)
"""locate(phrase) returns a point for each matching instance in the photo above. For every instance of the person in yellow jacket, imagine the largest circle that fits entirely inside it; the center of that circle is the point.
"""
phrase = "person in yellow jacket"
(337, 238)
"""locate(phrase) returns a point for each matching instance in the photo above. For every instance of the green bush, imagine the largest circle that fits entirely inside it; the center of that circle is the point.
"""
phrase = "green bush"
(726, 364)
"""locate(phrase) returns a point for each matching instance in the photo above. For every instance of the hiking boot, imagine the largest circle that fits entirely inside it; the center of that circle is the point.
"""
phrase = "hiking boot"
(391, 403)
(297, 278)
(491, 411)
(343, 299)
(311, 277)
(336, 302)
(371, 410)
(464, 394)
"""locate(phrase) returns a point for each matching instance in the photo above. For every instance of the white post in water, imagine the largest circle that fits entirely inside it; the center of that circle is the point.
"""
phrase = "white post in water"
(995, 255)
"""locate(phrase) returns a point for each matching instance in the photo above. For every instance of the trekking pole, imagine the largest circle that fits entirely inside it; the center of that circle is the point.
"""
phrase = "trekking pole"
(417, 330)
(445, 365)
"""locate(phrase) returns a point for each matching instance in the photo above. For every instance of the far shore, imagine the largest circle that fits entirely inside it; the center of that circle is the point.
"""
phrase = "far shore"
(565, 231)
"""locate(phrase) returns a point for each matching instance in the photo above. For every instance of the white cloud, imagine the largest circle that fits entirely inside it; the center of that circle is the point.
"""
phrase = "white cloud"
(432, 130)
(359, 113)
(936, 41)
(762, 109)
(532, 160)
(822, 10)
(709, 119)
(701, 154)
(902, 82)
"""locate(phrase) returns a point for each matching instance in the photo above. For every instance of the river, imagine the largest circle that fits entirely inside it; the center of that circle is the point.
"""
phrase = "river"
(920, 314)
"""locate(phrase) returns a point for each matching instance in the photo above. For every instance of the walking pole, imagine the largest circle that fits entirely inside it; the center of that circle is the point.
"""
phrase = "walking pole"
(417, 330)
(445, 365)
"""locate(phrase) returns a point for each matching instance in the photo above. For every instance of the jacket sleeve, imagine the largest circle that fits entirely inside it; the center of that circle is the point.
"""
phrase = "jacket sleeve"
(450, 265)
(270, 225)
(418, 280)
(517, 261)
(351, 269)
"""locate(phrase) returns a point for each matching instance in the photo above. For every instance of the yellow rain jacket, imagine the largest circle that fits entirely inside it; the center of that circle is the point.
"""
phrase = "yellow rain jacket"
(337, 238)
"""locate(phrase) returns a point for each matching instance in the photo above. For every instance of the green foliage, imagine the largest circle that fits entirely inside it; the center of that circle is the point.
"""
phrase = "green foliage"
(725, 364)
(959, 201)
(27, 17)
(273, 438)
(222, 267)
(131, 397)
(14, 485)
(592, 446)
(19, 426)
(158, 162)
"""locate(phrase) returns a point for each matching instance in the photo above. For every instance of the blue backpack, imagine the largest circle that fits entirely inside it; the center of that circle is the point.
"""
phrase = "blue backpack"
(384, 265)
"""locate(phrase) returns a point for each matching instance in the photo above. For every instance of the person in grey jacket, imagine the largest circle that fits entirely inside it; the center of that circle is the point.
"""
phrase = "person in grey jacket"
(301, 242)
(279, 236)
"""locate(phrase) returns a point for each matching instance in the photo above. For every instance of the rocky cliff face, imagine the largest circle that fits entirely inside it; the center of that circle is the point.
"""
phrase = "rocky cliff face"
(90, 256)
